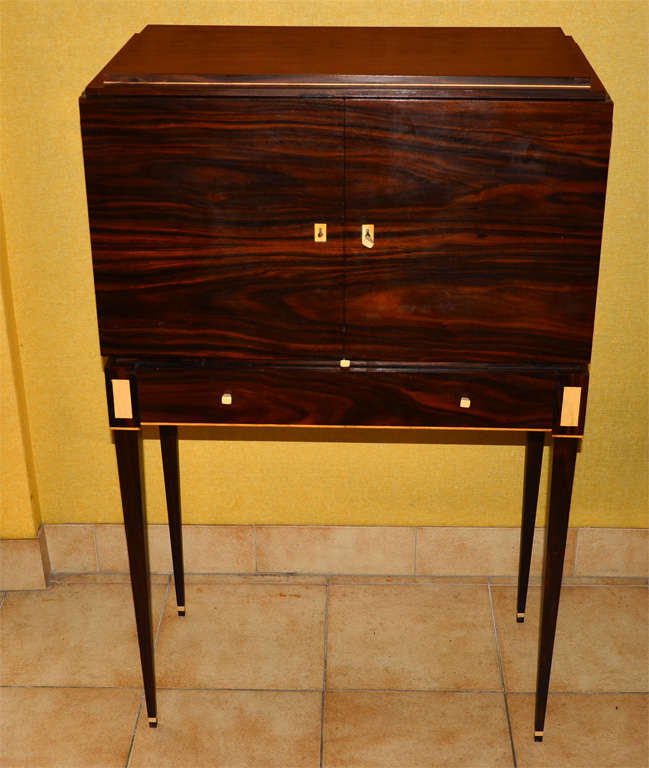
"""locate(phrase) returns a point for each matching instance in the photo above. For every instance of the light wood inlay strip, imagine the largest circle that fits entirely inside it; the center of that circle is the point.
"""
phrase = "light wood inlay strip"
(122, 407)
(334, 426)
(275, 83)
(570, 407)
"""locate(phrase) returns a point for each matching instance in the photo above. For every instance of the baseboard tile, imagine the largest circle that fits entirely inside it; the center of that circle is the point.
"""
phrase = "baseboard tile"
(375, 552)
(23, 564)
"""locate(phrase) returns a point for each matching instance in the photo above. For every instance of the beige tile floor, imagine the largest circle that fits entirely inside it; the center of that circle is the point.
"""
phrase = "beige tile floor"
(345, 672)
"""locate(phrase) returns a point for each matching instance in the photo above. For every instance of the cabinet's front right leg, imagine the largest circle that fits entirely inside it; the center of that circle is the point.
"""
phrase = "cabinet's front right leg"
(127, 447)
(564, 453)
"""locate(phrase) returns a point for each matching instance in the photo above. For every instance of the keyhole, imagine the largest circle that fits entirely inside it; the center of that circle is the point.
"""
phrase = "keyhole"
(320, 233)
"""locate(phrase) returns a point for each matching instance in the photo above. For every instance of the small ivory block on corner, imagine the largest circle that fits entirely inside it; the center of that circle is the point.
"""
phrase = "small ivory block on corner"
(122, 406)
(570, 407)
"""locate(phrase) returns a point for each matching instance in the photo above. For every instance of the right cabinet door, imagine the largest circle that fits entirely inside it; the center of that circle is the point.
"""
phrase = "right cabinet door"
(487, 220)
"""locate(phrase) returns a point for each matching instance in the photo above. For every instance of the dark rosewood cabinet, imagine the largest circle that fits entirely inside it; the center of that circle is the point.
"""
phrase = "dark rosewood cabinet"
(347, 227)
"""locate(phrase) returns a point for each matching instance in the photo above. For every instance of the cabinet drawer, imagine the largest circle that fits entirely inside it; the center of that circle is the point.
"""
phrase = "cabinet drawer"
(346, 397)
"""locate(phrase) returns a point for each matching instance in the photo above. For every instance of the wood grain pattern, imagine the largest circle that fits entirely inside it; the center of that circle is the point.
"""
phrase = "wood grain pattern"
(201, 220)
(345, 397)
(488, 219)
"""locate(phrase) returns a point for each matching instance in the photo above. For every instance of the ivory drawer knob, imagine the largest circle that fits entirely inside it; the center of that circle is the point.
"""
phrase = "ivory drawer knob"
(226, 398)
(465, 402)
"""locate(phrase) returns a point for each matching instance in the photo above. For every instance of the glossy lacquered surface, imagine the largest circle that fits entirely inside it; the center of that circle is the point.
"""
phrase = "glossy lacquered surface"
(202, 217)
(443, 61)
(488, 221)
(476, 160)
(263, 395)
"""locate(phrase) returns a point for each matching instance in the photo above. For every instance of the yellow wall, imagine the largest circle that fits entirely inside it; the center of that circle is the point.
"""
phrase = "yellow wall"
(51, 49)
(19, 518)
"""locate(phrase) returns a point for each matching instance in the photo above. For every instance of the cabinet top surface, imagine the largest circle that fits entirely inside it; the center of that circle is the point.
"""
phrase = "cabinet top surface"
(445, 61)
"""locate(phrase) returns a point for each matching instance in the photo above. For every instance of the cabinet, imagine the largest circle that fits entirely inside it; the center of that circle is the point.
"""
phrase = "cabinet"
(347, 227)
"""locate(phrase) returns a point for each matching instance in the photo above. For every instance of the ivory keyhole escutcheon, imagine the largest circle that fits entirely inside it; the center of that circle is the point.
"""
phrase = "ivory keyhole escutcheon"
(367, 235)
(320, 233)
(226, 398)
(465, 402)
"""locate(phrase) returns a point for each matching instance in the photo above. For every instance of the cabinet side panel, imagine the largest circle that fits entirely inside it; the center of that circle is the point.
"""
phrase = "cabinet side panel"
(487, 218)
(202, 216)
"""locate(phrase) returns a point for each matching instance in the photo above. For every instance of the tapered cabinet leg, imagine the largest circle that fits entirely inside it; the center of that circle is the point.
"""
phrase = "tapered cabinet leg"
(169, 447)
(127, 447)
(533, 460)
(564, 454)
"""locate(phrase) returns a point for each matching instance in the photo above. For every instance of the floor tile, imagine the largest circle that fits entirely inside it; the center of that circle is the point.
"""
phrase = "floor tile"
(244, 636)
(409, 730)
(437, 636)
(601, 640)
(231, 729)
(66, 727)
(582, 731)
(72, 634)
(335, 549)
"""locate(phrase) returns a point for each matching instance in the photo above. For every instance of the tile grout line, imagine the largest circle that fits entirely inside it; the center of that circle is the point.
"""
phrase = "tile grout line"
(94, 532)
(576, 552)
(502, 674)
(414, 563)
(132, 744)
(324, 674)
(140, 708)
(162, 611)
(319, 690)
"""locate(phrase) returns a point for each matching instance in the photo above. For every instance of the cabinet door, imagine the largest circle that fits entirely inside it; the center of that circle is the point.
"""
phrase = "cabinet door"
(487, 223)
(202, 216)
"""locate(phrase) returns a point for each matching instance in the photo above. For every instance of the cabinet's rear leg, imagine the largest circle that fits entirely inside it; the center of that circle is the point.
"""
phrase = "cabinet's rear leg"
(169, 447)
(533, 460)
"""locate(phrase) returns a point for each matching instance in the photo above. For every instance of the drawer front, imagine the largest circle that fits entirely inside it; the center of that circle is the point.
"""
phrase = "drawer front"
(352, 397)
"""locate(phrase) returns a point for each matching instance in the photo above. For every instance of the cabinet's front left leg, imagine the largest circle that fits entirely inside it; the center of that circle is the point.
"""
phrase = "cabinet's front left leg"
(127, 447)
(564, 454)
(533, 460)
(169, 447)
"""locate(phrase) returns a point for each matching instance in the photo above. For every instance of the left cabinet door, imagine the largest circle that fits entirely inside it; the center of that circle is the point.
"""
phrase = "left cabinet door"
(202, 215)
